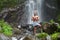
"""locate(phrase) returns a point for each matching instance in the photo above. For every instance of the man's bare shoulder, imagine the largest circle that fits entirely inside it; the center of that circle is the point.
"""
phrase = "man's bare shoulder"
(37, 16)
(33, 16)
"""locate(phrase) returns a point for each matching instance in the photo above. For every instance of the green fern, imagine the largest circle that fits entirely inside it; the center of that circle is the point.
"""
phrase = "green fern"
(6, 28)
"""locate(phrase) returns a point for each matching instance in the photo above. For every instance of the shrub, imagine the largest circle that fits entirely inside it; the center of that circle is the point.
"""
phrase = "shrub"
(7, 3)
(55, 36)
(42, 35)
(6, 28)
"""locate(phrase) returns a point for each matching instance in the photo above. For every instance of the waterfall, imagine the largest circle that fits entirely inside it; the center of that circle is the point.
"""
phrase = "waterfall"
(39, 9)
(30, 6)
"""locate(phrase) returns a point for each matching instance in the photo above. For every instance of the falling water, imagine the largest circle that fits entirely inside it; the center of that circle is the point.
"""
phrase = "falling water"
(30, 6)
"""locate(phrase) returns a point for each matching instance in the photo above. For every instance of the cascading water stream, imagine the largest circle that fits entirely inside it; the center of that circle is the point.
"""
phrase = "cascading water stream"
(31, 6)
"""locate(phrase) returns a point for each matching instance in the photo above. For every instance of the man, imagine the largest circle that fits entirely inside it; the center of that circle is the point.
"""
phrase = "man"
(35, 20)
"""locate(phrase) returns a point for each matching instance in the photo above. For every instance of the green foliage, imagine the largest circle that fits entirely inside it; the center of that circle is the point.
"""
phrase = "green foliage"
(6, 28)
(42, 35)
(8, 3)
(51, 21)
(58, 30)
(59, 26)
(54, 36)
(1, 22)
(58, 17)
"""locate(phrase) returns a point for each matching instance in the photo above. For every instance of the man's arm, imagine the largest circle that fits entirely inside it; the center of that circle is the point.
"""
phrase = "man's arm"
(38, 18)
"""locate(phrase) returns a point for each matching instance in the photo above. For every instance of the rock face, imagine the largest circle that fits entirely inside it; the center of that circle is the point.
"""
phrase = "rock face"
(49, 9)
(17, 31)
(27, 38)
(14, 38)
(3, 37)
(14, 15)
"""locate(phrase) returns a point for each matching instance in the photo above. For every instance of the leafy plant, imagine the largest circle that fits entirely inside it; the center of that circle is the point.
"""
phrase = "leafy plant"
(7, 3)
(52, 21)
(42, 35)
(54, 36)
(6, 28)
(58, 30)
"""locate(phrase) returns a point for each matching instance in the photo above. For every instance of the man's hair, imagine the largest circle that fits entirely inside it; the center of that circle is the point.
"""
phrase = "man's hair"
(35, 12)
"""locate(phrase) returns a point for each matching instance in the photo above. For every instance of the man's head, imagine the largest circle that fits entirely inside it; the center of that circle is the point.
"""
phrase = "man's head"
(35, 12)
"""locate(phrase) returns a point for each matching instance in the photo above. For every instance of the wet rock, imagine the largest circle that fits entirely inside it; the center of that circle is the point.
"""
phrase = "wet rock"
(27, 38)
(14, 38)
(3, 37)
(17, 31)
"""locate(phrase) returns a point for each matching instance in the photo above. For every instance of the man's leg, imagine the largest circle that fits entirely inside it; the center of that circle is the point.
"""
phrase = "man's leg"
(35, 30)
(40, 28)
